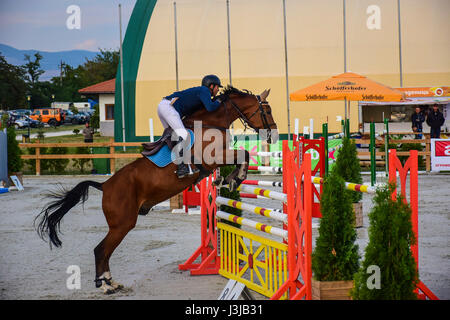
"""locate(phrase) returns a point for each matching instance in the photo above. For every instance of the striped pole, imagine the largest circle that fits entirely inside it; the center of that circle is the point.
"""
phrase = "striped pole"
(336, 136)
(253, 224)
(263, 192)
(263, 183)
(266, 169)
(349, 186)
(253, 196)
(270, 213)
(335, 148)
(273, 154)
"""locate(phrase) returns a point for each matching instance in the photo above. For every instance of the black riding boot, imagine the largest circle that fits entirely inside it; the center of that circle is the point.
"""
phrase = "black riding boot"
(184, 170)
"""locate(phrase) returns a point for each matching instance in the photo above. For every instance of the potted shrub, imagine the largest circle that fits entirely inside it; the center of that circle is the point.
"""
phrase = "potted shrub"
(347, 166)
(388, 251)
(335, 258)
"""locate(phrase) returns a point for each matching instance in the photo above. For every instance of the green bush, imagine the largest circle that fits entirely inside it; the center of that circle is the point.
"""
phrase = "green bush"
(347, 166)
(57, 166)
(412, 146)
(81, 163)
(335, 256)
(390, 239)
(15, 163)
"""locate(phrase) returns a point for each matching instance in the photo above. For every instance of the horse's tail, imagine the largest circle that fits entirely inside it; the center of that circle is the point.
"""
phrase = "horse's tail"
(54, 211)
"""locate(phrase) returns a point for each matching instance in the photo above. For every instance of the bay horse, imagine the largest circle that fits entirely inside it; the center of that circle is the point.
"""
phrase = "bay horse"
(140, 185)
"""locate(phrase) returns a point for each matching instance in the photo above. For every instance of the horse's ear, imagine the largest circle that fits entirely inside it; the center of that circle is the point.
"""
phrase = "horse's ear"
(264, 94)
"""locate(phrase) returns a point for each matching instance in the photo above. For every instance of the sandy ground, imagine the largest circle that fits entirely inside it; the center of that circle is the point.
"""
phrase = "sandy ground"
(147, 260)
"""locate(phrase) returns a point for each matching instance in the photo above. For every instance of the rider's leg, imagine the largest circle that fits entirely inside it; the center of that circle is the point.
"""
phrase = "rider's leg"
(170, 117)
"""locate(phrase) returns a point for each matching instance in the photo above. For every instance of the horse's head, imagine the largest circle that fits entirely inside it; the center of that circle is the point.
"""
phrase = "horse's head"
(255, 111)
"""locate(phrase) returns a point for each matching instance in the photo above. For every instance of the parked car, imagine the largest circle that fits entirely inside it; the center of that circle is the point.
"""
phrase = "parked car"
(86, 115)
(52, 116)
(22, 112)
(70, 117)
(25, 122)
(33, 123)
(21, 123)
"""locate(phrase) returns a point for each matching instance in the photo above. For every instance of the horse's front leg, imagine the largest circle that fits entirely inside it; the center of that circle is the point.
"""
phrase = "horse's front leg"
(241, 159)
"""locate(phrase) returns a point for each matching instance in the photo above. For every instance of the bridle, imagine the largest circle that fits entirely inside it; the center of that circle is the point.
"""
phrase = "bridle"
(246, 120)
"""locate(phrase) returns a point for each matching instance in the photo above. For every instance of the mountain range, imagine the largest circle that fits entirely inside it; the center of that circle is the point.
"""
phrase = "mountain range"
(50, 61)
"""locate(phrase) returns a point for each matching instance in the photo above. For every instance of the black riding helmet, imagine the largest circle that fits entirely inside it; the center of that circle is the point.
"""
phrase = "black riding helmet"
(211, 79)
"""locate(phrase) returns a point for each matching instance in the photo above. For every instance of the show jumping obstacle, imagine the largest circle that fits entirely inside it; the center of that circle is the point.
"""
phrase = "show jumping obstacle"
(270, 267)
(280, 270)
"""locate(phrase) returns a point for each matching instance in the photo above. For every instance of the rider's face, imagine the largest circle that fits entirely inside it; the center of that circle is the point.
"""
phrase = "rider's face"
(214, 90)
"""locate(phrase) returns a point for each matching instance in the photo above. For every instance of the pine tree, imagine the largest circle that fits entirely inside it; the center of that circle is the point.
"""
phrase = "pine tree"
(347, 166)
(390, 239)
(335, 256)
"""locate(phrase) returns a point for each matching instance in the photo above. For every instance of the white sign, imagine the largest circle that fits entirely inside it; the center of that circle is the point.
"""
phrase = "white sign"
(232, 290)
(440, 154)
(17, 183)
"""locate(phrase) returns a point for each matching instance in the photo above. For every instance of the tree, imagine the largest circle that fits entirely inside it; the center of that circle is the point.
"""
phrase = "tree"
(33, 68)
(347, 166)
(15, 162)
(101, 68)
(95, 119)
(13, 87)
(390, 240)
(335, 256)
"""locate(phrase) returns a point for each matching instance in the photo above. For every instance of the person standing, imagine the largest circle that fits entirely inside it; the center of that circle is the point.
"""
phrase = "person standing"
(435, 120)
(417, 119)
(88, 133)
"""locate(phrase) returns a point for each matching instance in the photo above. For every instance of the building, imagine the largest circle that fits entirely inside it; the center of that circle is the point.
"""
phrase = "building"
(81, 106)
(106, 95)
(163, 53)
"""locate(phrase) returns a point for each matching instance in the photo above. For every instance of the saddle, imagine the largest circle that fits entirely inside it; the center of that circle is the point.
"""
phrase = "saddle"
(152, 148)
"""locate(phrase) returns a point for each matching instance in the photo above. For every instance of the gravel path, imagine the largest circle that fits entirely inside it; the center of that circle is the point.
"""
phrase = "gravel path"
(147, 260)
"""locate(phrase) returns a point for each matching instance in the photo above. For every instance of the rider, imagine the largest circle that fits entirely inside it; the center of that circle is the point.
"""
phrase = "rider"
(184, 103)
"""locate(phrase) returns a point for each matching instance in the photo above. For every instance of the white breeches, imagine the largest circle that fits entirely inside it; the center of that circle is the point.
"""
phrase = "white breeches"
(171, 118)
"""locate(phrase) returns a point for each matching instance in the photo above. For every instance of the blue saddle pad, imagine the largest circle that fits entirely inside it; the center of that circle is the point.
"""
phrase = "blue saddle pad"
(165, 156)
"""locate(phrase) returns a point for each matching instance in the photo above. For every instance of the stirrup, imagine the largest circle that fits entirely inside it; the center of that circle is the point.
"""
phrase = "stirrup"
(183, 171)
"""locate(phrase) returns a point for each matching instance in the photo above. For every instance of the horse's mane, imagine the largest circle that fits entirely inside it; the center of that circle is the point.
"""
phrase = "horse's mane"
(225, 94)
(229, 90)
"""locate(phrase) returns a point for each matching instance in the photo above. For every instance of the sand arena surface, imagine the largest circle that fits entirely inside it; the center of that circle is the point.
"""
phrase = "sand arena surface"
(146, 262)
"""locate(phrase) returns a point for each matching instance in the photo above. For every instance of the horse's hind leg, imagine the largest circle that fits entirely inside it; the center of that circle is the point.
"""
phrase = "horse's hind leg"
(120, 222)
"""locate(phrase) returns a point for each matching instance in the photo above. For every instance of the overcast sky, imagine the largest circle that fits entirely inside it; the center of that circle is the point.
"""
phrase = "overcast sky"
(42, 24)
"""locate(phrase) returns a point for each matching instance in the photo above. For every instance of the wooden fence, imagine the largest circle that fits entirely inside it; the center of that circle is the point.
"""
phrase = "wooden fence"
(113, 155)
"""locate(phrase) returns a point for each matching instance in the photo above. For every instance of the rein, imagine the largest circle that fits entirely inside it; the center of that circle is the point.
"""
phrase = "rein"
(241, 116)
(246, 121)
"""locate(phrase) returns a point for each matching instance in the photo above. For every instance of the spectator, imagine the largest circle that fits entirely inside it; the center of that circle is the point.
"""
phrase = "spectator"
(435, 120)
(417, 119)
(88, 133)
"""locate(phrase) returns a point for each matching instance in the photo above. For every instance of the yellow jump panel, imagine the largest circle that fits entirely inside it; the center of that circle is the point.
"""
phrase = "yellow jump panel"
(257, 262)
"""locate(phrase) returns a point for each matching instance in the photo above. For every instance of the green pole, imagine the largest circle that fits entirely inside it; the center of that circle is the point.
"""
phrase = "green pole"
(347, 128)
(372, 155)
(386, 145)
(325, 136)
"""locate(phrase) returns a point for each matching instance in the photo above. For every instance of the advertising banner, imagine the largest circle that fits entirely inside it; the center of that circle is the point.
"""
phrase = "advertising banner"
(440, 155)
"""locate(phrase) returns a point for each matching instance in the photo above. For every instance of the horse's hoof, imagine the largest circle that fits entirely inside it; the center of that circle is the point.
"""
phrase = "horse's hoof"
(107, 289)
(218, 182)
(116, 285)
(232, 186)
